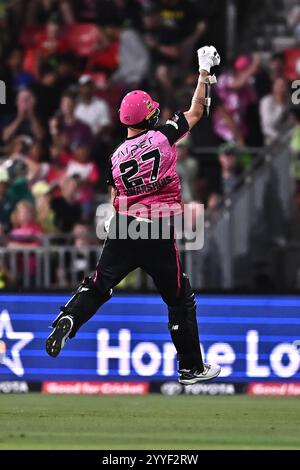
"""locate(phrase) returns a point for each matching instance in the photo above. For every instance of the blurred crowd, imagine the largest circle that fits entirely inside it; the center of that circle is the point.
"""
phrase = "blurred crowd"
(67, 64)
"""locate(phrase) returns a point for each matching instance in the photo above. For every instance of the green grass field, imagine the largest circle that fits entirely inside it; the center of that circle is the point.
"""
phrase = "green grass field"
(37, 421)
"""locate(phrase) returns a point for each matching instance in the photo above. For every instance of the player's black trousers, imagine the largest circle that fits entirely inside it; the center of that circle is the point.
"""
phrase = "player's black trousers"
(160, 259)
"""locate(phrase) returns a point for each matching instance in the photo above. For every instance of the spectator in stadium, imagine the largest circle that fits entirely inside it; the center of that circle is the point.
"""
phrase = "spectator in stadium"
(38, 169)
(163, 87)
(48, 90)
(86, 11)
(187, 169)
(292, 61)
(295, 122)
(171, 30)
(134, 61)
(83, 261)
(234, 94)
(82, 236)
(104, 56)
(52, 42)
(15, 75)
(213, 201)
(294, 21)
(26, 231)
(151, 25)
(18, 148)
(294, 118)
(14, 15)
(6, 278)
(40, 11)
(273, 108)
(6, 205)
(25, 120)
(66, 71)
(42, 201)
(90, 109)
(67, 211)
(82, 166)
(58, 162)
(226, 181)
(96, 113)
(276, 66)
(177, 22)
(65, 129)
(83, 258)
(2, 48)
(126, 11)
(18, 189)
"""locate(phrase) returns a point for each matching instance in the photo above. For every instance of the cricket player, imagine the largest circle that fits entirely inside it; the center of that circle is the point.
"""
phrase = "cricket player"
(143, 171)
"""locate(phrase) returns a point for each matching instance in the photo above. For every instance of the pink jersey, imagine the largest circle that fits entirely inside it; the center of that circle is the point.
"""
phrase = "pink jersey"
(143, 170)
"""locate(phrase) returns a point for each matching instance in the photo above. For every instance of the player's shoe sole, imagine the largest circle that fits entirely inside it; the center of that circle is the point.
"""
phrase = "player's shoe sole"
(192, 377)
(56, 341)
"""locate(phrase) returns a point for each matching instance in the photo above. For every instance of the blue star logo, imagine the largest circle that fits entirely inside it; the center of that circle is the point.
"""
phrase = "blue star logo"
(14, 362)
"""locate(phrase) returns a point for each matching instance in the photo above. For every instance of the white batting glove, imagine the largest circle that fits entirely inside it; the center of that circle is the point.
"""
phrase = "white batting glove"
(208, 57)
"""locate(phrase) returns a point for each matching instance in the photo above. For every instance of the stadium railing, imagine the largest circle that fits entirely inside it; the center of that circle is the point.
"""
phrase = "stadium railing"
(63, 266)
(243, 231)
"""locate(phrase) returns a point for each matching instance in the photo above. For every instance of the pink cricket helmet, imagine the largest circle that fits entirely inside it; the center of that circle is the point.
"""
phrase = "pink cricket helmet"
(136, 107)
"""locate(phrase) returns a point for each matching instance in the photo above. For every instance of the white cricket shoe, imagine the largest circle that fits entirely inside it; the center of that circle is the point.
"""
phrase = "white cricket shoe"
(189, 377)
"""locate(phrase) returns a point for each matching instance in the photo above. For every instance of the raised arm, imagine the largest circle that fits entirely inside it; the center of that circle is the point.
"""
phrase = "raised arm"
(208, 57)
